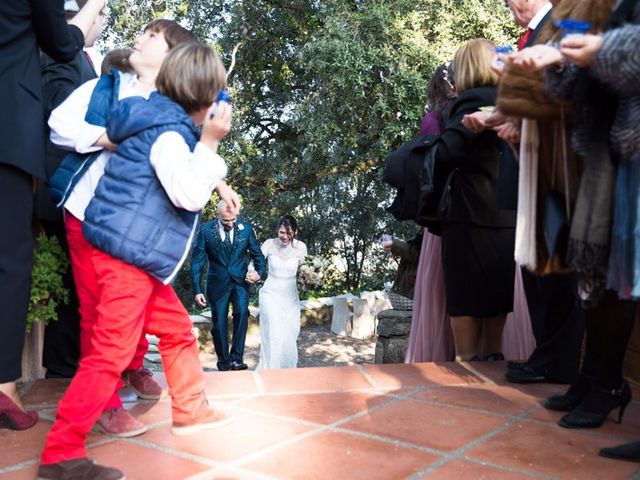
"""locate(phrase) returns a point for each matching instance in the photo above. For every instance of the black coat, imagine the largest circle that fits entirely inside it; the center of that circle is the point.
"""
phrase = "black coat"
(26, 25)
(58, 81)
(474, 196)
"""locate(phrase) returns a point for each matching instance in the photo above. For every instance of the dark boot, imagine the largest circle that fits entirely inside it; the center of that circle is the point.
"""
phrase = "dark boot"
(627, 451)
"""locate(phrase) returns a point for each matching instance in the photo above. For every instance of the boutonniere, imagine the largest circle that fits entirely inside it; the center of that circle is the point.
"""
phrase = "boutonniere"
(240, 227)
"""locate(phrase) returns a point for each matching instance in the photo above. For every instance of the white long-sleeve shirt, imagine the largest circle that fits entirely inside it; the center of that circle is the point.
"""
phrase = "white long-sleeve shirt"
(187, 177)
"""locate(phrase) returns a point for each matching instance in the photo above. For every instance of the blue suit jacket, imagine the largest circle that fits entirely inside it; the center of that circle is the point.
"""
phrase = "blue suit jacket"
(224, 269)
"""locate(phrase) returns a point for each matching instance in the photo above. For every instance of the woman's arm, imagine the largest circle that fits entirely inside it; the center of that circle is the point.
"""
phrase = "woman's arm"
(617, 62)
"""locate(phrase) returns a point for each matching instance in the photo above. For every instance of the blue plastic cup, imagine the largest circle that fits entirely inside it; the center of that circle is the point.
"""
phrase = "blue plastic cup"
(573, 28)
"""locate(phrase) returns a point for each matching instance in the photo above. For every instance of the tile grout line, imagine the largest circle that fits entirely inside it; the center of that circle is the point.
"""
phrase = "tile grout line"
(297, 438)
(460, 452)
(257, 380)
(374, 383)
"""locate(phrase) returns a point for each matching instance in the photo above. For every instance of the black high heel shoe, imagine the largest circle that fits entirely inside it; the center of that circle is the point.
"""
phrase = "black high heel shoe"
(596, 406)
(565, 402)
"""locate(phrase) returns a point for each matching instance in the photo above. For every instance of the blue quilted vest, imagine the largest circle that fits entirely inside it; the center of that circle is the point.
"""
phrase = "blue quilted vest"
(74, 164)
(131, 217)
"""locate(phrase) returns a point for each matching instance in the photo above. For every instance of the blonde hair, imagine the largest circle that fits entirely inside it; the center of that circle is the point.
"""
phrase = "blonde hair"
(192, 75)
(472, 65)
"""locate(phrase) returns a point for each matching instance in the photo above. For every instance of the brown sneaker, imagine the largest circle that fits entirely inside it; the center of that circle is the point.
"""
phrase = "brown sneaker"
(142, 382)
(210, 419)
(78, 469)
(117, 422)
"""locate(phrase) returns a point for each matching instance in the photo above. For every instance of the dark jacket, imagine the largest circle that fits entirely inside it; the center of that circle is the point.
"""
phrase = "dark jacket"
(225, 267)
(58, 81)
(131, 217)
(474, 196)
(26, 25)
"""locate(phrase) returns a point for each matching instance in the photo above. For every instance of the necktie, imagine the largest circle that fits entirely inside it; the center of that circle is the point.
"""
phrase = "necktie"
(522, 43)
(227, 238)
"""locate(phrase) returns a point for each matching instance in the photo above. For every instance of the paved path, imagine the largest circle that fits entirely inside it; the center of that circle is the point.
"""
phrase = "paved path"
(317, 347)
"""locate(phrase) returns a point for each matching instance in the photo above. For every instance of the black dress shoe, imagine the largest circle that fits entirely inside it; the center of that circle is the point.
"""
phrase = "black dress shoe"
(511, 365)
(525, 375)
(627, 451)
(238, 366)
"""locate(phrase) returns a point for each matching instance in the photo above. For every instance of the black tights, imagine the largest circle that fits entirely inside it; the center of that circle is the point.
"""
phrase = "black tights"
(608, 328)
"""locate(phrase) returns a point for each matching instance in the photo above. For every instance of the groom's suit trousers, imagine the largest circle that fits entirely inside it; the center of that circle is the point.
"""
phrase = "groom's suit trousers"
(238, 297)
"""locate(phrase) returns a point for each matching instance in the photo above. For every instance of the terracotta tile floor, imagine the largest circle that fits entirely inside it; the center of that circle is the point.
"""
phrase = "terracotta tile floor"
(425, 421)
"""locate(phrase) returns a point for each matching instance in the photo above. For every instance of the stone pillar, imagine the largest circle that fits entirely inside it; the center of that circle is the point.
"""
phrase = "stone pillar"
(393, 334)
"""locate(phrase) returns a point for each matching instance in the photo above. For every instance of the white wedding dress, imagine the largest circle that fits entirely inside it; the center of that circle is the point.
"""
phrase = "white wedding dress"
(280, 305)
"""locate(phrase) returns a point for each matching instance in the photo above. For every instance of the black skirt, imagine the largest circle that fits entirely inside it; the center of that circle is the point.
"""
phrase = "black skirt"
(479, 270)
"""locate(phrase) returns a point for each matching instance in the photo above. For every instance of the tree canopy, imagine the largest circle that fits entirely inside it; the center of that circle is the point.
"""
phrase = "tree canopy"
(322, 92)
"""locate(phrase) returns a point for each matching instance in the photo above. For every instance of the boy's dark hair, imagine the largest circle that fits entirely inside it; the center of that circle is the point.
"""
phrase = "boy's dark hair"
(117, 58)
(174, 34)
(192, 75)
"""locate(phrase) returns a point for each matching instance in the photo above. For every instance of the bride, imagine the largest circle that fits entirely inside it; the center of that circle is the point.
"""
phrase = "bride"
(279, 302)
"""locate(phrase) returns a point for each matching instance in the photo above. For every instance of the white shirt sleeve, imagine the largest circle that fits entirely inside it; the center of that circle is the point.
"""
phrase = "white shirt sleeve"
(68, 128)
(187, 177)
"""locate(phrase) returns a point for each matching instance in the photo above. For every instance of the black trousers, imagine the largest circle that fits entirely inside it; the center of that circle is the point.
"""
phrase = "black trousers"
(557, 323)
(61, 351)
(16, 258)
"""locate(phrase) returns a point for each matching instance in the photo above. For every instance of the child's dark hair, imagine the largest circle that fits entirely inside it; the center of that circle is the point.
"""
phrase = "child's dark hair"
(117, 58)
(290, 224)
(440, 92)
(174, 34)
(192, 75)
(440, 88)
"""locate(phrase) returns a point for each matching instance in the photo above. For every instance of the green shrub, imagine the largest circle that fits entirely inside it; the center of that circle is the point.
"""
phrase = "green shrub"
(47, 289)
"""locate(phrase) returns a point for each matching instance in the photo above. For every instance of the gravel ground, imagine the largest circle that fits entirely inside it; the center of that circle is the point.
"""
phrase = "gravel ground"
(317, 347)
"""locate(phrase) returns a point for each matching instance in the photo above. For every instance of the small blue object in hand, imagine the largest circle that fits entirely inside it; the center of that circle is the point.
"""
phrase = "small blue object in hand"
(223, 96)
(573, 27)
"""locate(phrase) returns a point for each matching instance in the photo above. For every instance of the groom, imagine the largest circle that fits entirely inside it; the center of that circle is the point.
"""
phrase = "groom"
(225, 243)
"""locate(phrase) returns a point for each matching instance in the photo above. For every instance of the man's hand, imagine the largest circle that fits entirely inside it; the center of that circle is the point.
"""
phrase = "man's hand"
(533, 59)
(229, 196)
(201, 300)
(581, 49)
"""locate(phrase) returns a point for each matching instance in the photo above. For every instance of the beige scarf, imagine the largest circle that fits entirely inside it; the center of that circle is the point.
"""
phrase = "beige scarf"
(525, 248)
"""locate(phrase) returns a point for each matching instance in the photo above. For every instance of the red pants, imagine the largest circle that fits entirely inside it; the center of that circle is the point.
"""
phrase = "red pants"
(86, 281)
(129, 299)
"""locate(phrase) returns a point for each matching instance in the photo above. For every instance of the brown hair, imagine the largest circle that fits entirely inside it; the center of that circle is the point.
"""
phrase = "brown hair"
(117, 58)
(173, 33)
(472, 65)
(192, 75)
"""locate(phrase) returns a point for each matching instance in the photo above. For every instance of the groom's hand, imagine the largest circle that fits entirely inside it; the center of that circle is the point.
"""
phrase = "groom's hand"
(201, 300)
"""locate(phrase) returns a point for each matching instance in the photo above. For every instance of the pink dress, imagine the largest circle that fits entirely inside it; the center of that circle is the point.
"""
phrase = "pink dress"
(431, 339)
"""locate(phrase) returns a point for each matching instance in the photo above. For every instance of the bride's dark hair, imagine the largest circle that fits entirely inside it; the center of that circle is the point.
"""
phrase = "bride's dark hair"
(290, 224)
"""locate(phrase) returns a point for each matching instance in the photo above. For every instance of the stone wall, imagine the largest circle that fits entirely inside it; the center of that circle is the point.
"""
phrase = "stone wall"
(393, 334)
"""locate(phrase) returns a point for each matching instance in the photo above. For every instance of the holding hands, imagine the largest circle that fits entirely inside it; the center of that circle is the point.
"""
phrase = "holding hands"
(252, 277)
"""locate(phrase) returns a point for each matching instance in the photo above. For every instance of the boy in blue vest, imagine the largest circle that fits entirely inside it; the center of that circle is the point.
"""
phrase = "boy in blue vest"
(142, 221)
